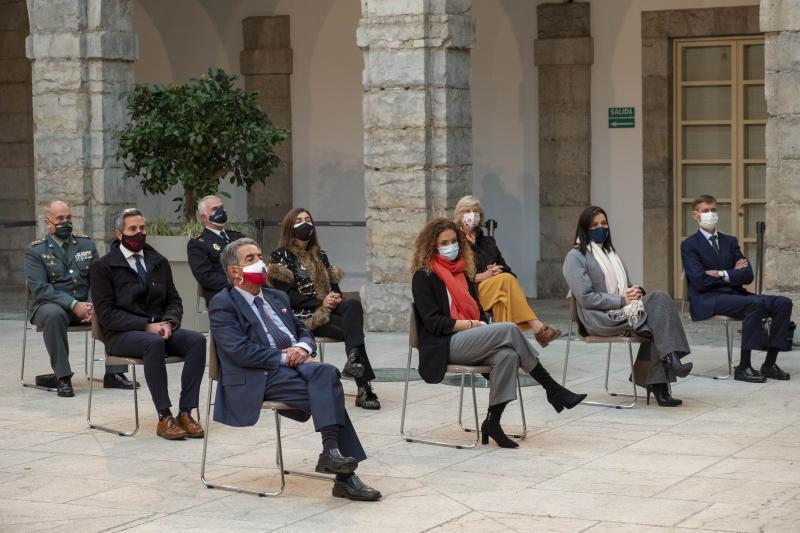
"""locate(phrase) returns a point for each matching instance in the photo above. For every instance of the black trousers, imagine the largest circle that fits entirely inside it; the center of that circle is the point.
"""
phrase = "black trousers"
(752, 308)
(153, 349)
(347, 324)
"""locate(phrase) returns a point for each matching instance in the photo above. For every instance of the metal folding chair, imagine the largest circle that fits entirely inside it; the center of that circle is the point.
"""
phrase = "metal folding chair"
(594, 339)
(199, 305)
(726, 321)
(276, 407)
(464, 371)
(321, 342)
(132, 362)
(72, 329)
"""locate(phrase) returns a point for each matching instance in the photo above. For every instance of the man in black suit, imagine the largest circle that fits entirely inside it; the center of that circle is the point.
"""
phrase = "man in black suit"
(266, 353)
(139, 311)
(204, 250)
(717, 272)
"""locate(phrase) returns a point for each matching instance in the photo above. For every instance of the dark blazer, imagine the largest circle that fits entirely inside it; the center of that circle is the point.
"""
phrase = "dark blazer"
(698, 256)
(123, 303)
(204, 251)
(434, 324)
(245, 354)
(486, 252)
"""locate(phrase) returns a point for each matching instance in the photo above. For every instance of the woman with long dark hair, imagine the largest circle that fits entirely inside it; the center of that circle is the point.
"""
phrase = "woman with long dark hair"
(452, 327)
(300, 268)
(608, 304)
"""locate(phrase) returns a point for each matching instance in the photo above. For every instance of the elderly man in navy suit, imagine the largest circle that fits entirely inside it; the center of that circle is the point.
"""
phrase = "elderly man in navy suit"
(717, 272)
(265, 353)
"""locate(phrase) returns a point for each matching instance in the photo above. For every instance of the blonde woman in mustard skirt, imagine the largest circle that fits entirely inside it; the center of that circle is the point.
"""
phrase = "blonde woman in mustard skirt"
(498, 288)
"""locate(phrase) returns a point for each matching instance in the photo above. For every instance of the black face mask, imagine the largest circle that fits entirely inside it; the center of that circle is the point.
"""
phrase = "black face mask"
(134, 242)
(63, 230)
(219, 217)
(303, 231)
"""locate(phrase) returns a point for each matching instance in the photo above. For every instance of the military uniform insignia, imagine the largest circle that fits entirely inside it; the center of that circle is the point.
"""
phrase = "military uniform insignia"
(37, 241)
(85, 255)
(216, 246)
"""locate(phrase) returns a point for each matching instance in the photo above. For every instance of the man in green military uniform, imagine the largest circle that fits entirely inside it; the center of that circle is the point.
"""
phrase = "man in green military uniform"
(57, 270)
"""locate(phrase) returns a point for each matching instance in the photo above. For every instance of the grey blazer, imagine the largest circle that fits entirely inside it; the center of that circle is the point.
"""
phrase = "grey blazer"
(588, 285)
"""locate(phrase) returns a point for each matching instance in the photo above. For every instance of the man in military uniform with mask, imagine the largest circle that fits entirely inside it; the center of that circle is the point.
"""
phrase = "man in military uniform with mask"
(57, 270)
(205, 249)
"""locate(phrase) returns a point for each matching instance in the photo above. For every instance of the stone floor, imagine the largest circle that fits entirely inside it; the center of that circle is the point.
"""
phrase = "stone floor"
(728, 460)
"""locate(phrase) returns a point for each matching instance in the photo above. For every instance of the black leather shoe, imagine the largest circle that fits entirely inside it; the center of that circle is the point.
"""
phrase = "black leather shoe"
(674, 362)
(64, 388)
(352, 368)
(367, 399)
(118, 381)
(333, 462)
(748, 374)
(663, 397)
(774, 372)
(353, 488)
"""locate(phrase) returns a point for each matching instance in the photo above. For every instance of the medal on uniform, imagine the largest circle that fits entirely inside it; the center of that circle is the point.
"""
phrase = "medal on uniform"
(216, 246)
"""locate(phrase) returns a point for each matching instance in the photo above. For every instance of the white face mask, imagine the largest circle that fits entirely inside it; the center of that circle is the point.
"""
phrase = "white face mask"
(471, 220)
(256, 267)
(709, 220)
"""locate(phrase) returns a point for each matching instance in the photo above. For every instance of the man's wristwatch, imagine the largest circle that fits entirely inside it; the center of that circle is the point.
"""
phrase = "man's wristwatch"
(721, 274)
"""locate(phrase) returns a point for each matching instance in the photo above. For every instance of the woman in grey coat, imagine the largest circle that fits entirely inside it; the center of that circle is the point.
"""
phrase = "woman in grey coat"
(608, 304)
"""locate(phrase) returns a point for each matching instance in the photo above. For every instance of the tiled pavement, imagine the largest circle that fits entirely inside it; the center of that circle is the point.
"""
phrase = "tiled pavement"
(728, 460)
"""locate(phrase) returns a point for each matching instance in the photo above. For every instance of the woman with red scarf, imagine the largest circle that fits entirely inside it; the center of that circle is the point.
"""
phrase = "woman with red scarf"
(452, 327)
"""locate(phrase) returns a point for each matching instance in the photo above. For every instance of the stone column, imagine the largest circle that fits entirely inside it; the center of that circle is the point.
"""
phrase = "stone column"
(266, 64)
(563, 53)
(417, 136)
(82, 54)
(780, 21)
(16, 147)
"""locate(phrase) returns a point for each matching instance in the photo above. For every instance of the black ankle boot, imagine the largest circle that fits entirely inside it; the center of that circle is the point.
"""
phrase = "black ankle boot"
(491, 428)
(663, 397)
(681, 370)
(558, 396)
(353, 368)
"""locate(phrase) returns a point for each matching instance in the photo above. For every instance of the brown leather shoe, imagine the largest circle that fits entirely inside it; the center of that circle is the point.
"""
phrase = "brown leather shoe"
(546, 335)
(168, 429)
(193, 429)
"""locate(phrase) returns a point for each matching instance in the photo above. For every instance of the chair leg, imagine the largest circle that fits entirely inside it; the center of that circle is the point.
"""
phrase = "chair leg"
(410, 438)
(608, 371)
(520, 436)
(121, 433)
(566, 355)
(205, 436)
(86, 355)
(521, 412)
(321, 350)
(729, 350)
(22, 365)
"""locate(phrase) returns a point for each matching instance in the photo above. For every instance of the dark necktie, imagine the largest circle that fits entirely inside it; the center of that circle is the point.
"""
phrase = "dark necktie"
(224, 236)
(140, 269)
(281, 339)
(714, 244)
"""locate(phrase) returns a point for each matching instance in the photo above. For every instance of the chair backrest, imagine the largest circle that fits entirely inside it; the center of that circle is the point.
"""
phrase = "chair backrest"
(685, 295)
(198, 304)
(97, 331)
(213, 359)
(413, 338)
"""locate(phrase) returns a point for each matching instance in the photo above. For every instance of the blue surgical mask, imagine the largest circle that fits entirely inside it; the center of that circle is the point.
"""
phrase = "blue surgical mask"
(450, 251)
(598, 234)
(220, 217)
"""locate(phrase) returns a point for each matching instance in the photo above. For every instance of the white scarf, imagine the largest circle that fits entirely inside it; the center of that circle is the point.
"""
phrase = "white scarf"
(616, 283)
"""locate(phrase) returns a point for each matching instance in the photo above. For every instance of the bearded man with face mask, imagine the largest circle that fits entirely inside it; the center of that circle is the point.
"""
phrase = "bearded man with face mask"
(57, 272)
(717, 273)
(139, 312)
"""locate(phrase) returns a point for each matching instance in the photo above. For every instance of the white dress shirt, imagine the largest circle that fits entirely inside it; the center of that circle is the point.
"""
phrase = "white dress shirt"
(708, 236)
(270, 312)
(131, 257)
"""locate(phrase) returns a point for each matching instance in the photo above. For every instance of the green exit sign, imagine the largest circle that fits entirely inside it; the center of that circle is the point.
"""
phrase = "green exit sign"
(621, 117)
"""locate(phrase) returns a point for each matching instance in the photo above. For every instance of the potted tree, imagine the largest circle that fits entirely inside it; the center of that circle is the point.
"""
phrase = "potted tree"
(194, 135)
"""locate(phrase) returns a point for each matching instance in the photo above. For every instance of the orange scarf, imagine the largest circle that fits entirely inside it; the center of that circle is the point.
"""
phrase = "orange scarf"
(462, 305)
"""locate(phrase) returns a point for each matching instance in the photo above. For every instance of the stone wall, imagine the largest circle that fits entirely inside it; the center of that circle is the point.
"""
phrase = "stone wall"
(780, 20)
(417, 136)
(658, 30)
(564, 53)
(16, 147)
(81, 53)
(266, 64)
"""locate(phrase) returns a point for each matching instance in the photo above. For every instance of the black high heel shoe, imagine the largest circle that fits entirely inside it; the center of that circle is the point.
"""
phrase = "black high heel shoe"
(491, 428)
(558, 395)
(662, 395)
(674, 362)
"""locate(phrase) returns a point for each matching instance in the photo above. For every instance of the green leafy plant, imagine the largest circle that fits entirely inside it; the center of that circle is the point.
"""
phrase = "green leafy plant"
(196, 134)
(191, 228)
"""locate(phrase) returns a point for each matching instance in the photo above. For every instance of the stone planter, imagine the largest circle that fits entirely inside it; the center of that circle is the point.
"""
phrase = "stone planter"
(174, 249)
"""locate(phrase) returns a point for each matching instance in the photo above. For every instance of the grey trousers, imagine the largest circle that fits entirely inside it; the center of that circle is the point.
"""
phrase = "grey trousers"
(501, 346)
(664, 325)
(54, 321)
